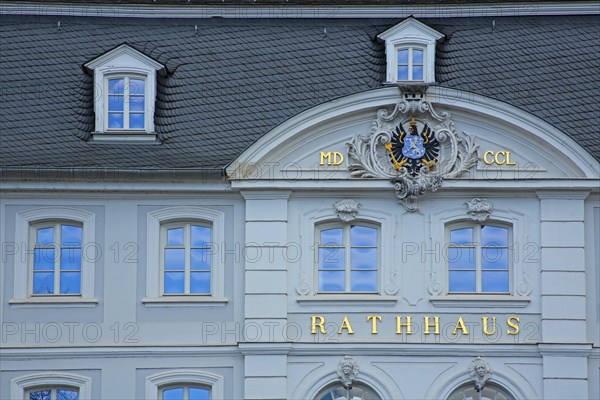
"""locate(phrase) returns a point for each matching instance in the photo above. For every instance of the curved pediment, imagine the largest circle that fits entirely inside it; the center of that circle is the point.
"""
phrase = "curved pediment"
(509, 144)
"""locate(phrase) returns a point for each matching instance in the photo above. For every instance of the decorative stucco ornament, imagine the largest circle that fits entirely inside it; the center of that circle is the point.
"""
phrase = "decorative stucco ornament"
(413, 146)
(481, 372)
(346, 209)
(347, 371)
(479, 209)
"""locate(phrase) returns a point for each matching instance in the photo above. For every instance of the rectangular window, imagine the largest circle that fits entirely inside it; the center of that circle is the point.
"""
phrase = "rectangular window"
(186, 258)
(479, 259)
(126, 103)
(56, 262)
(348, 259)
(410, 64)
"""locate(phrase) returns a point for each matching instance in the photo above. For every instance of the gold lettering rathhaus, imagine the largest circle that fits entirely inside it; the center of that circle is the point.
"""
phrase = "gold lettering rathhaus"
(414, 147)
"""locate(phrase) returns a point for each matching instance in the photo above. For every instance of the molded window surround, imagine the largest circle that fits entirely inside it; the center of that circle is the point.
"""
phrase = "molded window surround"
(124, 95)
(410, 52)
(155, 383)
(519, 262)
(312, 223)
(163, 218)
(25, 222)
(20, 385)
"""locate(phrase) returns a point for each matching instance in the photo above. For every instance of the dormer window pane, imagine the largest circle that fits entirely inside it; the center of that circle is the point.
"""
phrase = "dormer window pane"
(403, 57)
(417, 57)
(403, 73)
(417, 73)
(115, 121)
(136, 121)
(116, 103)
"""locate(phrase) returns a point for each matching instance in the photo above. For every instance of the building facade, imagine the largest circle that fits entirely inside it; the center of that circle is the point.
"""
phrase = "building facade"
(300, 202)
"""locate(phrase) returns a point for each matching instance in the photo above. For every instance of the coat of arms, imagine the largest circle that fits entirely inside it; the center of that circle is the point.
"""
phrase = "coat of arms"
(414, 147)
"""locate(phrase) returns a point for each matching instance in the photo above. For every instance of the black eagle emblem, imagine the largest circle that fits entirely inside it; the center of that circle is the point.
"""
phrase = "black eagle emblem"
(413, 150)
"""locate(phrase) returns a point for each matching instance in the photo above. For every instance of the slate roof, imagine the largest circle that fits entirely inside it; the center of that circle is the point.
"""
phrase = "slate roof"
(238, 78)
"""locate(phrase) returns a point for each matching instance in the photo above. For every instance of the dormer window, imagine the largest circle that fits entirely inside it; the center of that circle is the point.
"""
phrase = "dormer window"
(410, 63)
(410, 52)
(125, 95)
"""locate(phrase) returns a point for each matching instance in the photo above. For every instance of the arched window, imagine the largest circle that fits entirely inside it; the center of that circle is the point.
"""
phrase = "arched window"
(348, 259)
(184, 392)
(479, 258)
(338, 392)
(52, 393)
(491, 391)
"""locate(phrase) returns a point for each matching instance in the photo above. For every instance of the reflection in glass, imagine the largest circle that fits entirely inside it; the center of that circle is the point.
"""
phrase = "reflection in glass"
(45, 236)
(70, 259)
(402, 73)
(417, 57)
(43, 259)
(363, 257)
(403, 57)
(174, 259)
(198, 394)
(70, 235)
(494, 281)
(173, 394)
(331, 258)
(175, 237)
(331, 281)
(66, 394)
(70, 282)
(200, 282)
(494, 258)
(494, 236)
(363, 281)
(461, 257)
(43, 282)
(201, 236)
(200, 259)
(363, 236)
(136, 121)
(417, 73)
(461, 236)
(331, 236)
(174, 282)
(461, 281)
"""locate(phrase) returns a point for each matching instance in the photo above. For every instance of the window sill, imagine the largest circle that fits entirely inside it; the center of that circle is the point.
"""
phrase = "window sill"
(177, 301)
(479, 301)
(54, 302)
(124, 136)
(354, 299)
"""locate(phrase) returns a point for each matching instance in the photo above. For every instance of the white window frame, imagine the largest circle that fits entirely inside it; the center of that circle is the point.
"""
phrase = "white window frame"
(520, 279)
(56, 224)
(186, 225)
(126, 95)
(345, 226)
(185, 386)
(476, 245)
(206, 216)
(410, 33)
(21, 385)
(24, 222)
(389, 274)
(120, 62)
(155, 383)
(410, 66)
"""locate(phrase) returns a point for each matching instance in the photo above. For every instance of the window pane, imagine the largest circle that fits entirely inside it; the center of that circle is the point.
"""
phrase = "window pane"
(331, 236)
(70, 282)
(494, 236)
(417, 73)
(43, 282)
(136, 103)
(461, 281)
(174, 282)
(461, 236)
(116, 103)
(198, 394)
(173, 394)
(115, 121)
(363, 236)
(70, 235)
(461, 257)
(331, 258)
(116, 86)
(201, 236)
(402, 73)
(494, 281)
(417, 57)
(331, 281)
(363, 257)
(66, 394)
(43, 259)
(175, 236)
(136, 86)
(200, 282)
(40, 395)
(136, 121)
(363, 281)
(175, 259)
(70, 259)
(403, 57)
(45, 235)
(494, 257)
(200, 259)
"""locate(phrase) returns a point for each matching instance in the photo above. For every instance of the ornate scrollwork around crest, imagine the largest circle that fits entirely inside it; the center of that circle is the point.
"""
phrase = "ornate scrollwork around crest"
(413, 146)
